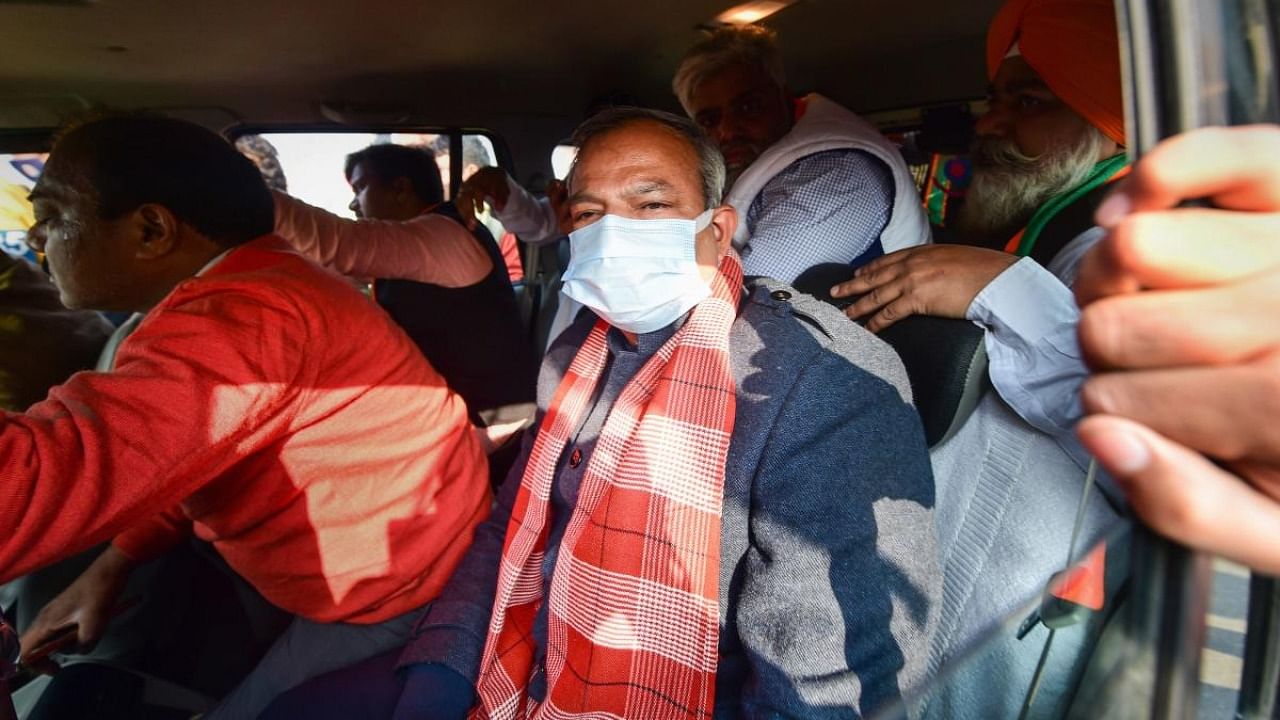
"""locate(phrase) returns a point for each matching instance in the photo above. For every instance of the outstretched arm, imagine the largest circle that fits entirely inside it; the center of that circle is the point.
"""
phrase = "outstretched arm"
(107, 450)
(1029, 314)
(430, 248)
(534, 221)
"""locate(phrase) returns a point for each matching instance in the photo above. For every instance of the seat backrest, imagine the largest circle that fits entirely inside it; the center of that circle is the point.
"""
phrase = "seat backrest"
(8, 659)
(92, 689)
(553, 260)
(945, 359)
(107, 357)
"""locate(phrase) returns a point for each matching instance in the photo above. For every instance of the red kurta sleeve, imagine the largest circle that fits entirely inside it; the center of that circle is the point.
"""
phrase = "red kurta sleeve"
(185, 402)
(510, 249)
(154, 536)
(429, 248)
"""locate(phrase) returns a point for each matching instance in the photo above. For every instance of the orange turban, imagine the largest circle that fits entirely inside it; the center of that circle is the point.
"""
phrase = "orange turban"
(1073, 46)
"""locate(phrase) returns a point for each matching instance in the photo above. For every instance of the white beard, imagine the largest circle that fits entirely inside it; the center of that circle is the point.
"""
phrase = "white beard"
(1009, 186)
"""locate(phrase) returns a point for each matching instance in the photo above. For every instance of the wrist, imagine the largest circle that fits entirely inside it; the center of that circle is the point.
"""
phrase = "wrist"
(114, 563)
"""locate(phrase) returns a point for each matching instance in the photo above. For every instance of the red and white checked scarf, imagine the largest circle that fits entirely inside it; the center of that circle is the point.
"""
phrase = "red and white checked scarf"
(633, 617)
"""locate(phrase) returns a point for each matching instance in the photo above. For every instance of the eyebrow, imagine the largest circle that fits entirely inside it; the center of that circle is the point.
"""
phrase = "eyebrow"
(647, 186)
(758, 89)
(1027, 84)
(583, 196)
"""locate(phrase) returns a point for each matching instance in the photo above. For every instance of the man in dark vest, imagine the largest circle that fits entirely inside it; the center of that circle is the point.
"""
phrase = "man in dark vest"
(1045, 155)
(1011, 480)
(446, 286)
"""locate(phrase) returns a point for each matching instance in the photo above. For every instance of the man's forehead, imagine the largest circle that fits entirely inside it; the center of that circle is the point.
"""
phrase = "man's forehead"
(360, 173)
(732, 82)
(650, 156)
(1015, 75)
(52, 186)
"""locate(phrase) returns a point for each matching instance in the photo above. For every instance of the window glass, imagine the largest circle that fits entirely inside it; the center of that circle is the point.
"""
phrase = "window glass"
(309, 166)
(562, 159)
(1091, 659)
(18, 174)
(477, 152)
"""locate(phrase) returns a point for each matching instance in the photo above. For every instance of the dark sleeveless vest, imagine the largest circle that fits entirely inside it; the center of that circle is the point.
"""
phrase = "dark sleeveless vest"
(471, 335)
(1067, 225)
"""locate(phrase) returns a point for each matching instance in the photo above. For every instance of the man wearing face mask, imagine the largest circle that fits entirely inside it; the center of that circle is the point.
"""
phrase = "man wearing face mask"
(726, 506)
(812, 182)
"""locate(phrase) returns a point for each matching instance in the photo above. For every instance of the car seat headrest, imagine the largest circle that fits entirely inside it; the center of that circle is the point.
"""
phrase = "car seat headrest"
(945, 359)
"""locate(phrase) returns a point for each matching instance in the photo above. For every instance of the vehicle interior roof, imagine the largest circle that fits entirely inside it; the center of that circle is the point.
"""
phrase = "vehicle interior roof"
(526, 70)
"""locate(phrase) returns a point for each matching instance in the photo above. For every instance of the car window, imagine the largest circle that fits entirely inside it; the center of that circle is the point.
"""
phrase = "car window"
(562, 158)
(18, 173)
(309, 165)
(1088, 661)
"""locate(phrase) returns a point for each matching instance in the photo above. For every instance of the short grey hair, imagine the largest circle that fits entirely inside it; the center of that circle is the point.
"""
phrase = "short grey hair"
(750, 45)
(710, 161)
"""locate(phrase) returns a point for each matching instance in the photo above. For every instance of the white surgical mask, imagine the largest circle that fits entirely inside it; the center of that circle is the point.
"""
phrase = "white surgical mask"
(639, 275)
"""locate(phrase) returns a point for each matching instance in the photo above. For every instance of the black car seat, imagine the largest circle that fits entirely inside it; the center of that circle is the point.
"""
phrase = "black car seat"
(553, 260)
(108, 692)
(8, 664)
(945, 359)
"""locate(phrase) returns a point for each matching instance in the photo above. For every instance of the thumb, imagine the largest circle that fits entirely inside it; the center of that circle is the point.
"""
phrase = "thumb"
(466, 206)
(91, 623)
(1184, 496)
(42, 640)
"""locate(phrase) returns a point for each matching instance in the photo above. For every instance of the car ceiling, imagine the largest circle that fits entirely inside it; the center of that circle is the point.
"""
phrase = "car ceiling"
(511, 64)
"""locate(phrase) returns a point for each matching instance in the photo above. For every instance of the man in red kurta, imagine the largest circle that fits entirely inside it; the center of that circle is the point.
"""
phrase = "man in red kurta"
(262, 405)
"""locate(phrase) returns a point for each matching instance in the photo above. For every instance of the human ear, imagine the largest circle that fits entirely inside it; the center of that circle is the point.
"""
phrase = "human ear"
(710, 248)
(156, 229)
(403, 189)
(724, 222)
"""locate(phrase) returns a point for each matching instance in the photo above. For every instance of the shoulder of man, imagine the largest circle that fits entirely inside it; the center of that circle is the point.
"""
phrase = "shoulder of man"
(793, 330)
(480, 234)
(450, 210)
(266, 278)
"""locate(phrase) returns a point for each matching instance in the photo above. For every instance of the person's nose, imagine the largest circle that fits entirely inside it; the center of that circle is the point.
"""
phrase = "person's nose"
(994, 123)
(728, 128)
(354, 206)
(723, 132)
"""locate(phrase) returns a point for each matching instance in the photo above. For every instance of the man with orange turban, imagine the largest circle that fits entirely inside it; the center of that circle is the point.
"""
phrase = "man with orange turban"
(1011, 480)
